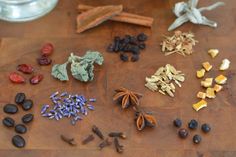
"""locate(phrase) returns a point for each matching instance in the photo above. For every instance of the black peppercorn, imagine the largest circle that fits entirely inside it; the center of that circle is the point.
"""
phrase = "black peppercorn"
(206, 128)
(193, 124)
(135, 58)
(177, 122)
(124, 57)
(197, 139)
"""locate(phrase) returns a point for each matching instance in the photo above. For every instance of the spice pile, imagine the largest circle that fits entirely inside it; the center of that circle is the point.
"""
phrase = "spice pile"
(93, 16)
(127, 98)
(192, 125)
(181, 43)
(127, 44)
(26, 104)
(208, 82)
(81, 67)
(162, 80)
(67, 105)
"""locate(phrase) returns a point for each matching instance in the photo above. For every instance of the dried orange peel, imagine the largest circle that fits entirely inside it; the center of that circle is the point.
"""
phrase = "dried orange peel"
(210, 93)
(201, 104)
(201, 95)
(207, 66)
(201, 73)
(221, 79)
(217, 87)
(207, 82)
(213, 52)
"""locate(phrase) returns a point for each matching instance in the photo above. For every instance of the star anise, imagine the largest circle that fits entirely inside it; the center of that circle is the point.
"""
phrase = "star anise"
(144, 119)
(127, 97)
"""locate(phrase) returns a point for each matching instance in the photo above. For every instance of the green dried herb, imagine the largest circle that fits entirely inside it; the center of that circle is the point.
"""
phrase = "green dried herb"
(81, 67)
(59, 71)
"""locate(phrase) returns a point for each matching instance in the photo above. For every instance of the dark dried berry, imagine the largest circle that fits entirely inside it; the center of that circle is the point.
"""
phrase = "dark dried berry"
(20, 128)
(177, 122)
(19, 98)
(16, 78)
(135, 58)
(193, 124)
(197, 139)
(27, 104)
(36, 79)
(47, 49)
(25, 68)
(206, 128)
(183, 133)
(135, 49)
(110, 48)
(127, 39)
(10, 108)
(142, 45)
(27, 118)
(44, 60)
(142, 37)
(127, 48)
(8, 122)
(124, 57)
(116, 44)
(133, 40)
(18, 141)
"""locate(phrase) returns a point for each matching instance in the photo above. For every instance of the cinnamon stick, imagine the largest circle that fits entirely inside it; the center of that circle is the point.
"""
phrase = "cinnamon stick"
(96, 16)
(124, 17)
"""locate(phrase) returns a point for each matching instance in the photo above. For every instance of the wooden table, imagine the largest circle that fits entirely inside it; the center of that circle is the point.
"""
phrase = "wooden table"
(20, 43)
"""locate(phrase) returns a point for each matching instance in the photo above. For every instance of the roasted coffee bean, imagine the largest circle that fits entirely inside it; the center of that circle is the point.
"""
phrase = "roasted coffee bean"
(19, 98)
(20, 128)
(183, 133)
(27, 118)
(135, 58)
(8, 122)
(193, 124)
(44, 60)
(197, 139)
(124, 57)
(142, 37)
(142, 45)
(27, 104)
(18, 141)
(10, 108)
(206, 128)
(177, 123)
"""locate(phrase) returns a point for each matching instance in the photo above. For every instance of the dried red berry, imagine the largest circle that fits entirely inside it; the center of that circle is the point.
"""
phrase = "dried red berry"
(25, 68)
(36, 79)
(16, 78)
(44, 60)
(47, 49)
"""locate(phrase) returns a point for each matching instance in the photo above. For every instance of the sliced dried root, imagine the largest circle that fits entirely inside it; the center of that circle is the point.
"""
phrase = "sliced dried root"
(207, 82)
(201, 73)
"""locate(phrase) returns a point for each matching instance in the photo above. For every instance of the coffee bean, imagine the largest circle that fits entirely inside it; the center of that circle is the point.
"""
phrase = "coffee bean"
(10, 108)
(27, 118)
(20, 128)
(27, 104)
(19, 98)
(8, 122)
(18, 141)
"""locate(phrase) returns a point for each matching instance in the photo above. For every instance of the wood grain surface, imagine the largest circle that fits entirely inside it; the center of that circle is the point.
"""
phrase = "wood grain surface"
(20, 43)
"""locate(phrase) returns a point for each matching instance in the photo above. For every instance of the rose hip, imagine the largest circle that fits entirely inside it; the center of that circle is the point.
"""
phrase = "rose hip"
(47, 49)
(44, 60)
(25, 68)
(16, 78)
(36, 79)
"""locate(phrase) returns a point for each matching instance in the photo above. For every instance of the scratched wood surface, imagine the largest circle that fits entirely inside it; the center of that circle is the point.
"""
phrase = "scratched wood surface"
(20, 43)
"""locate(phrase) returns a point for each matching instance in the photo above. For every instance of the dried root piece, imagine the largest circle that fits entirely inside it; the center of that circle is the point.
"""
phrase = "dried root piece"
(217, 87)
(201, 95)
(163, 80)
(207, 82)
(201, 73)
(201, 104)
(181, 43)
(207, 66)
(210, 93)
(225, 64)
(96, 16)
(213, 52)
(221, 79)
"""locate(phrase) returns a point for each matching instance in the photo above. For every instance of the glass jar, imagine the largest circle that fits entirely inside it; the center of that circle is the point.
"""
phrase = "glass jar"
(25, 10)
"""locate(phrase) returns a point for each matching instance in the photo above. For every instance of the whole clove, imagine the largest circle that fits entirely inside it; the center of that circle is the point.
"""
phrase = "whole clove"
(117, 134)
(119, 147)
(97, 131)
(70, 141)
(88, 139)
(104, 143)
